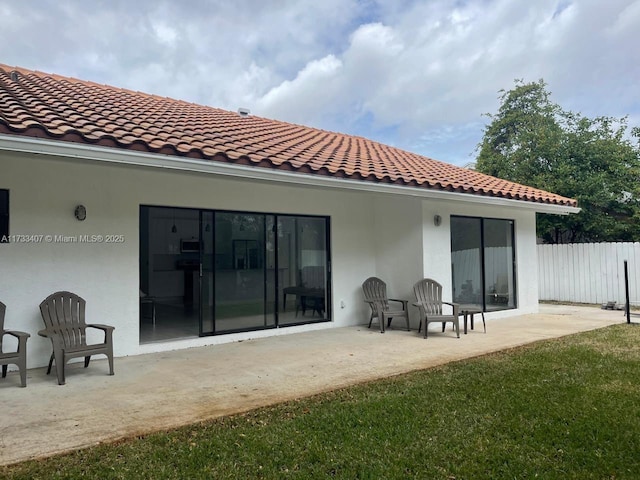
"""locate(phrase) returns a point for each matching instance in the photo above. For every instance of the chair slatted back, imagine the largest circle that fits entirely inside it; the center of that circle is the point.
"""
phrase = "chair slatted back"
(375, 291)
(63, 314)
(428, 292)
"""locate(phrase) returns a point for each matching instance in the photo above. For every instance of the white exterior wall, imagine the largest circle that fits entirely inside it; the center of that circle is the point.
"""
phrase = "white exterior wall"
(409, 249)
(44, 193)
(398, 235)
(399, 252)
(371, 234)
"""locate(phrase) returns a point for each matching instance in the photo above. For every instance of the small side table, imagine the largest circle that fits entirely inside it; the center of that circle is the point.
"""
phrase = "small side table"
(469, 311)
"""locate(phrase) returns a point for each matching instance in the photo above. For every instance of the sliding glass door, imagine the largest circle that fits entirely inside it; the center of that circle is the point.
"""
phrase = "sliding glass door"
(483, 262)
(499, 262)
(466, 260)
(303, 269)
(206, 272)
(240, 273)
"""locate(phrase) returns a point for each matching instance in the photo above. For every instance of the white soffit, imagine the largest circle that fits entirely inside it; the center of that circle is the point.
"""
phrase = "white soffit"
(79, 151)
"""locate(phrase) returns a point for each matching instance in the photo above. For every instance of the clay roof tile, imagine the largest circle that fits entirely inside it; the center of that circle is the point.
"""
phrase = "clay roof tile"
(68, 109)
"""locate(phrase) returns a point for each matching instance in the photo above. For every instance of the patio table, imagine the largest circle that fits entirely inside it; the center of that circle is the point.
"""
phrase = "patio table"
(468, 311)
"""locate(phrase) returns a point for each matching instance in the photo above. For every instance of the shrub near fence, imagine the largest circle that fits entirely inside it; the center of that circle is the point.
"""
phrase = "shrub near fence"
(588, 272)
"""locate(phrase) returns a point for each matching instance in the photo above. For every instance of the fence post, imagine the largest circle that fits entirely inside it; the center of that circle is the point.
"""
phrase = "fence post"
(627, 307)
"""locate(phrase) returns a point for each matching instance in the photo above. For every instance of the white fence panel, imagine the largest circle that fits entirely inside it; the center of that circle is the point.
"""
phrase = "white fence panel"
(588, 272)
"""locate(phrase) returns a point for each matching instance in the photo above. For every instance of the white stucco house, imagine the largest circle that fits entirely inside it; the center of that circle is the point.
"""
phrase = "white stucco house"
(199, 226)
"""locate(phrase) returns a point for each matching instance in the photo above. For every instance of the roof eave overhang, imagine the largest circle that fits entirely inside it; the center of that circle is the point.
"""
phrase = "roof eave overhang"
(39, 146)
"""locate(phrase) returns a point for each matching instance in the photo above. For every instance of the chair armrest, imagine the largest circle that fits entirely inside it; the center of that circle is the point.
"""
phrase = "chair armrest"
(56, 338)
(421, 309)
(403, 302)
(100, 326)
(456, 307)
(16, 334)
(44, 333)
(107, 329)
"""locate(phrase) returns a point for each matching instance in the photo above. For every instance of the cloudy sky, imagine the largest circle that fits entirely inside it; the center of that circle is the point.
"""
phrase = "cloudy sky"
(414, 74)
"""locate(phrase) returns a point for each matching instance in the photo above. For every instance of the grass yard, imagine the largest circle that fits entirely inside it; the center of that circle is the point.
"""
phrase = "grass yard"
(567, 408)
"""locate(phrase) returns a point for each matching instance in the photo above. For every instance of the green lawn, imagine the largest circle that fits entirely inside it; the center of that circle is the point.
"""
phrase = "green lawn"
(566, 409)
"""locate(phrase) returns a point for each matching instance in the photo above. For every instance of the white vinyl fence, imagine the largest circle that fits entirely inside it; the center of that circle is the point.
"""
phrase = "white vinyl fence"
(588, 272)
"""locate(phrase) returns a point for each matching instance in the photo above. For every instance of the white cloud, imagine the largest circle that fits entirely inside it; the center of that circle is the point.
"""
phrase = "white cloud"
(414, 74)
(299, 100)
(165, 33)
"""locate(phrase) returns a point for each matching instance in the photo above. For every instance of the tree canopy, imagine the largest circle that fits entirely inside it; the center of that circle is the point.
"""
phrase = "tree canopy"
(533, 141)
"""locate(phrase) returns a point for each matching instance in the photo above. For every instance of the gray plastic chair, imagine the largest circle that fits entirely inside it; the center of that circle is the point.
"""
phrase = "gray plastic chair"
(428, 294)
(375, 294)
(18, 357)
(63, 316)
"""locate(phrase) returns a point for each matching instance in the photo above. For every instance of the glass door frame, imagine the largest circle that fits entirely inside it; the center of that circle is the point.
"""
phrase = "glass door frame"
(482, 265)
(271, 307)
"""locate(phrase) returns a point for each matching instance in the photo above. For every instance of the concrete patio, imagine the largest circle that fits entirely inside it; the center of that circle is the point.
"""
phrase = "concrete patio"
(165, 390)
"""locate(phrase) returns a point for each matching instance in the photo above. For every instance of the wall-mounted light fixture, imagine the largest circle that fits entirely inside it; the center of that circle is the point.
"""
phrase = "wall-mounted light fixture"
(437, 220)
(80, 212)
(174, 228)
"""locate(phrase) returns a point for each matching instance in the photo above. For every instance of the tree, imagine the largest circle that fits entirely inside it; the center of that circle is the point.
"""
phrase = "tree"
(533, 141)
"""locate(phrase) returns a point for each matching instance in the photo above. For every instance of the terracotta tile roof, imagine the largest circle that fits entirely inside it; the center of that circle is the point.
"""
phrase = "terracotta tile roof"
(54, 107)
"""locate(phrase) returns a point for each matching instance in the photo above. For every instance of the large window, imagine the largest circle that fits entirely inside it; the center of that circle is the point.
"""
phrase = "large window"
(4, 216)
(207, 272)
(483, 262)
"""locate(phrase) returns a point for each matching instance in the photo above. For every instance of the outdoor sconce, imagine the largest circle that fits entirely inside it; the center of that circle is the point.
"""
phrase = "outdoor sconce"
(81, 212)
(174, 228)
(437, 220)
